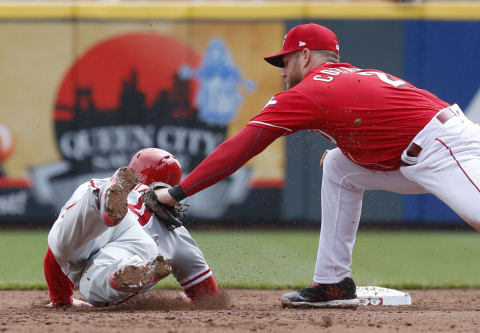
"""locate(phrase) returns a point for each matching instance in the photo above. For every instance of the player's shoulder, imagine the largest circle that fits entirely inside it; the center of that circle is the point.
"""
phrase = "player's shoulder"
(281, 99)
(96, 183)
(93, 183)
(334, 68)
(328, 72)
(287, 99)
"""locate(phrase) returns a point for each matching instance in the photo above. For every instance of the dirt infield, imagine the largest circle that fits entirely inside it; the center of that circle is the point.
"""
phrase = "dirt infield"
(242, 311)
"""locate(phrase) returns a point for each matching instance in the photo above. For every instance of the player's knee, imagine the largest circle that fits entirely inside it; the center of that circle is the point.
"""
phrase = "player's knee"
(151, 249)
(330, 162)
(147, 249)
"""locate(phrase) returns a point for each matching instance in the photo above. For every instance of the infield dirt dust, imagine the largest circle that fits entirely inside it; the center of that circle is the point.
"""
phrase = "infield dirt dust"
(241, 311)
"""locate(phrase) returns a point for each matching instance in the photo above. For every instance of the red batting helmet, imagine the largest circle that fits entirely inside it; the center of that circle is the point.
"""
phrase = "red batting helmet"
(156, 165)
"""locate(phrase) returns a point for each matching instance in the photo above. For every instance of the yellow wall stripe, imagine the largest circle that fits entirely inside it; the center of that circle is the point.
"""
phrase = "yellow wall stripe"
(235, 11)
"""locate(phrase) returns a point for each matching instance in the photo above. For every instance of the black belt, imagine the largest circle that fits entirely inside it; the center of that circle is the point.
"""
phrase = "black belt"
(413, 149)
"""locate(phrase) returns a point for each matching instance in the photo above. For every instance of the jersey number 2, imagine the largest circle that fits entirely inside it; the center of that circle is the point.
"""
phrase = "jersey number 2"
(385, 78)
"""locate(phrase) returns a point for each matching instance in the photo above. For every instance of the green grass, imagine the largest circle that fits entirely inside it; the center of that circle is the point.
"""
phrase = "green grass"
(286, 259)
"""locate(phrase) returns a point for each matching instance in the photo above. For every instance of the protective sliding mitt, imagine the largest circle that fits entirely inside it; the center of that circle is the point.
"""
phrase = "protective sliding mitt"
(169, 215)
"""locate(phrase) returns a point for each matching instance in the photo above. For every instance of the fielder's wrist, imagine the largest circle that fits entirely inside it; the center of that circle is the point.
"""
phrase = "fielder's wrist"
(177, 193)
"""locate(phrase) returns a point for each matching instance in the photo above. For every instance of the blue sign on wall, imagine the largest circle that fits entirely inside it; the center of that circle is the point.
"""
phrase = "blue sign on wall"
(442, 57)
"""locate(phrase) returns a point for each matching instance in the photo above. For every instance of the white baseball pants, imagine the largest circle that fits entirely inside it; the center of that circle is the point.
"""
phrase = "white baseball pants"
(188, 263)
(447, 166)
(88, 251)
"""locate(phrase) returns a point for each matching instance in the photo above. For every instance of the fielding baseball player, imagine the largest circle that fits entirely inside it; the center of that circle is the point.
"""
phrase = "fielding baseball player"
(389, 134)
(110, 242)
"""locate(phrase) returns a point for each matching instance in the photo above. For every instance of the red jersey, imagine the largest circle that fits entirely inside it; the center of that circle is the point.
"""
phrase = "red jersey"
(372, 116)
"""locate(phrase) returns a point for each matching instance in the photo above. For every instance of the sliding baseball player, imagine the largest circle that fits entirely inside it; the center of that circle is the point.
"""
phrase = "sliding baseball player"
(107, 241)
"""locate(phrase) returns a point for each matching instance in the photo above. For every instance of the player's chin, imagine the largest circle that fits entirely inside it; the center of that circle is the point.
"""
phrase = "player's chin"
(290, 84)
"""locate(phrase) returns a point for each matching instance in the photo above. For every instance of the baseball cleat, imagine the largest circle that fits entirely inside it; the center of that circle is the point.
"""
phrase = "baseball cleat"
(334, 295)
(135, 278)
(113, 198)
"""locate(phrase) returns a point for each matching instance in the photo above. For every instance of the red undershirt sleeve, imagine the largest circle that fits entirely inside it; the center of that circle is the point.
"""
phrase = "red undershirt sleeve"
(60, 288)
(227, 158)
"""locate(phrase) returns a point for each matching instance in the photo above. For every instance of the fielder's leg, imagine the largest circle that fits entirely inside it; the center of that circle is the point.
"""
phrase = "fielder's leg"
(343, 186)
(448, 165)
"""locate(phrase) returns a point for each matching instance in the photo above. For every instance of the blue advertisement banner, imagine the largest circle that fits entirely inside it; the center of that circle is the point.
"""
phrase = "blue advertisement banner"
(442, 57)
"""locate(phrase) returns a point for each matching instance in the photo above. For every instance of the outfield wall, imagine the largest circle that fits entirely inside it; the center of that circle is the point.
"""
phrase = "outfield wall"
(83, 87)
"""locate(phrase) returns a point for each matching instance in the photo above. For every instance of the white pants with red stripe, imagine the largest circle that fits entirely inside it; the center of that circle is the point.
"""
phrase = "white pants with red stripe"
(88, 251)
(448, 166)
(188, 263)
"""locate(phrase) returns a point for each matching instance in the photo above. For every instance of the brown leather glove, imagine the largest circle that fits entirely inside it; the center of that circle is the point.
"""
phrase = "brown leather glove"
(169, 215)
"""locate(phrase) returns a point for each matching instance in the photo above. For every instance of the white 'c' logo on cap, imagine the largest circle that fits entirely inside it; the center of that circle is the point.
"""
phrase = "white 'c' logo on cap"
(300, 43)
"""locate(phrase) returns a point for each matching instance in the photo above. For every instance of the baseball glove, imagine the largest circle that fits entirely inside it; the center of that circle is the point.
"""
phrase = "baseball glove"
(169, 215)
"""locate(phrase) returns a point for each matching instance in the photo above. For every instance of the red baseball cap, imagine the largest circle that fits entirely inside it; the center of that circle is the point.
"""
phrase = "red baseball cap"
(311, 36)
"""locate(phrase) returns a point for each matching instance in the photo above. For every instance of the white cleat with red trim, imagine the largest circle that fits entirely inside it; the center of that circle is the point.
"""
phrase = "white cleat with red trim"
(135, 278)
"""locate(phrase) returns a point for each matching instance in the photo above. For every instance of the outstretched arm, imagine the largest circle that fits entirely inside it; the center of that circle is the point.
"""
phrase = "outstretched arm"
(60, 288)
(227, 158)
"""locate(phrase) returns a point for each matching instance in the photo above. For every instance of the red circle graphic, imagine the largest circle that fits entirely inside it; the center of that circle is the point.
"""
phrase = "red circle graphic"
(154, 57)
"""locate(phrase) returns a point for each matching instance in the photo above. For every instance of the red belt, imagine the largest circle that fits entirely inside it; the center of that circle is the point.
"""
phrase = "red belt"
(445, 115)
(413, 149)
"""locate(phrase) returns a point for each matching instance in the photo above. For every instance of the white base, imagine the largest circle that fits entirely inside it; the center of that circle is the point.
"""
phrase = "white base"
(373, 295)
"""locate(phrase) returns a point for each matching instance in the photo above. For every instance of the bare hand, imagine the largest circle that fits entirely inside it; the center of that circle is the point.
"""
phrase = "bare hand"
(164, 197)
(323, 157)
(77, 303)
